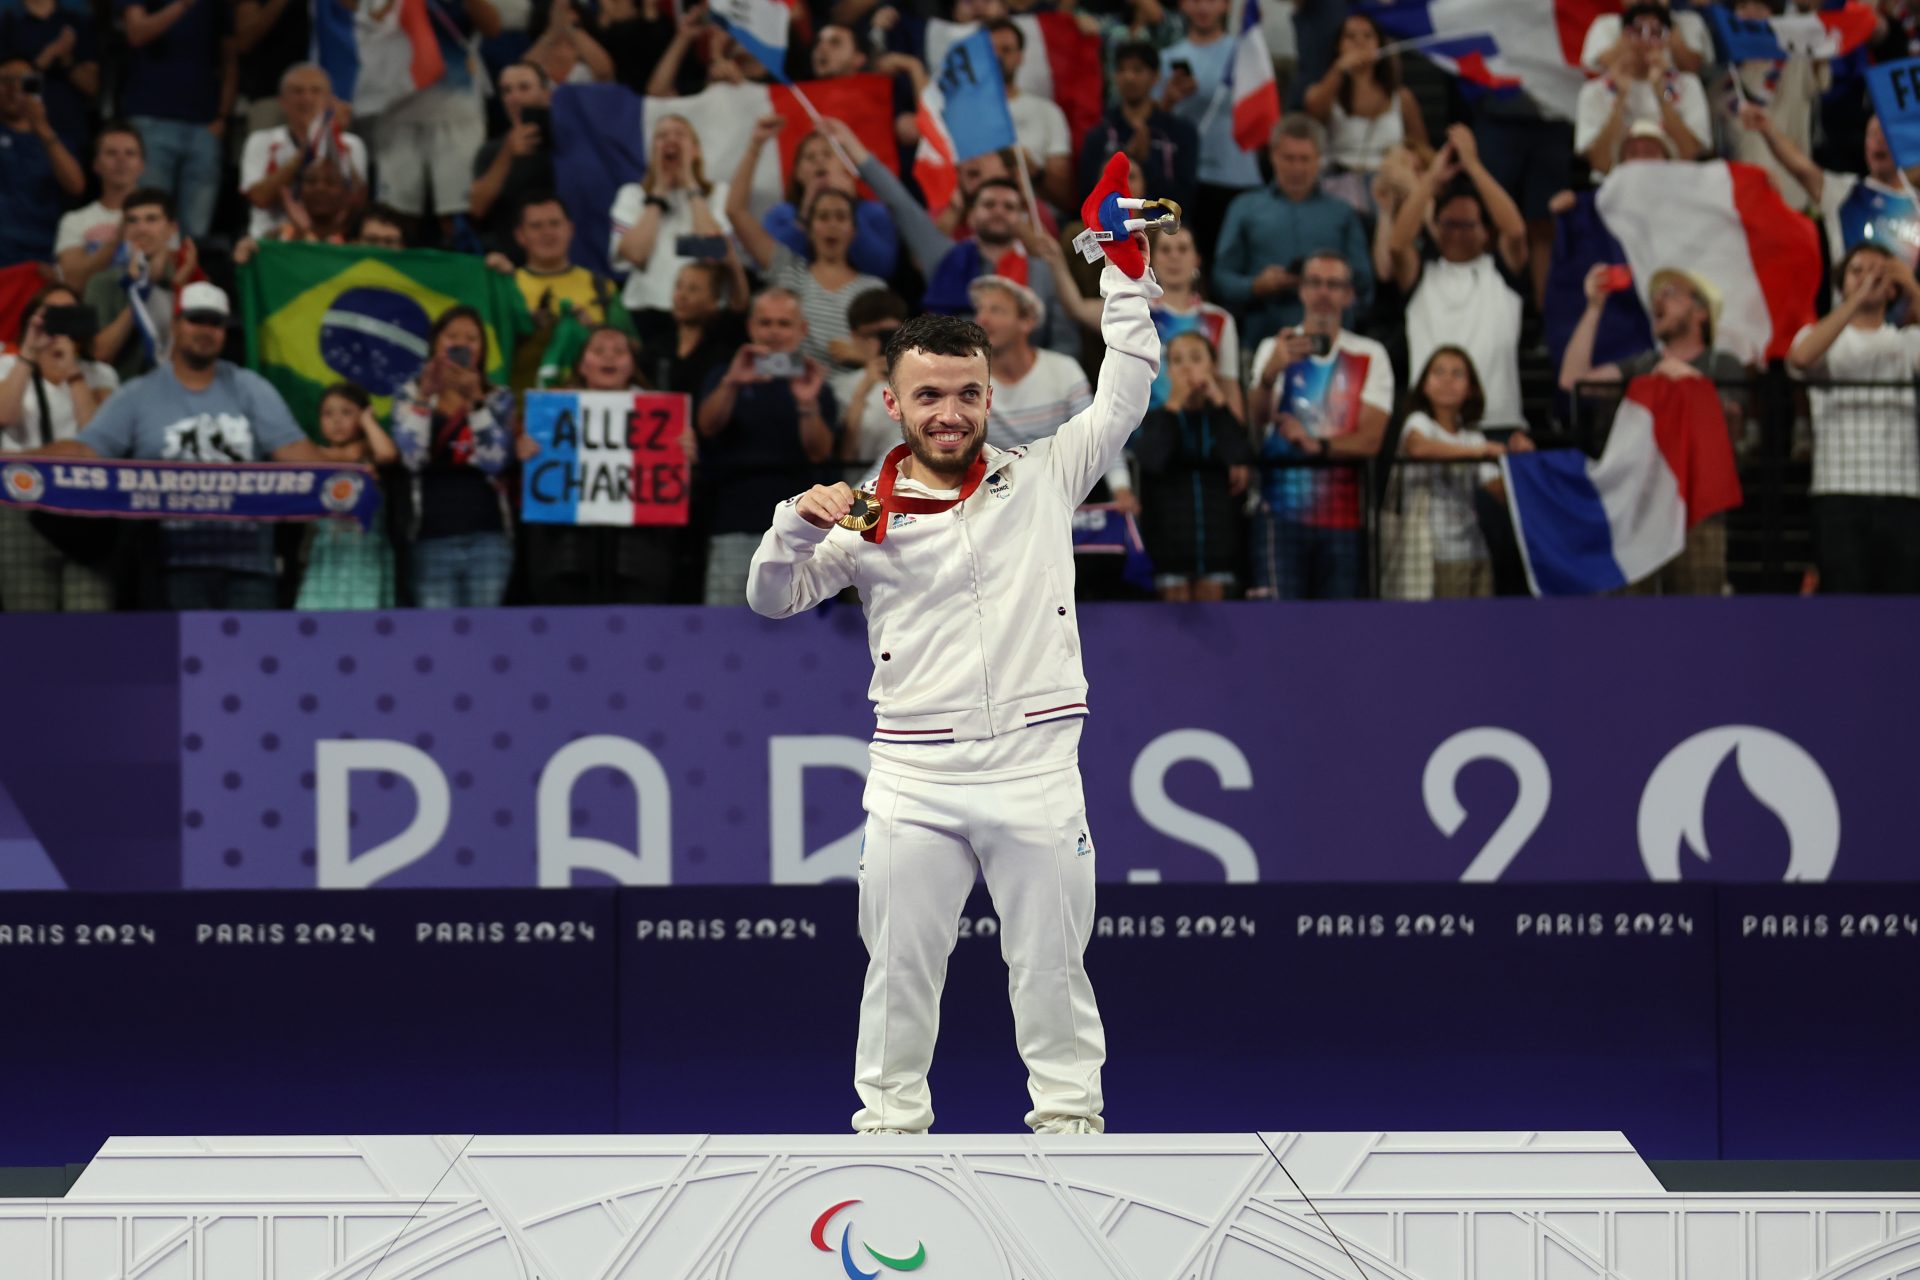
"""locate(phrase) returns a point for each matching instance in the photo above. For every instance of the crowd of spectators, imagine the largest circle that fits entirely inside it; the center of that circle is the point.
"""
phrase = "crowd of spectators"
(1393, 241)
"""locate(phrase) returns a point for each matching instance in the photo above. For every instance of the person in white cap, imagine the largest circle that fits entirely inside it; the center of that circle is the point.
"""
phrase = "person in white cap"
(196, 407)
(967, 577)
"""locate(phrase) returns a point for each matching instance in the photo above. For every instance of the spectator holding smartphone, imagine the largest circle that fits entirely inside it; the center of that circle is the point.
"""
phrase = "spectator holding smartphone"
(40, 173)
(451, 429)
(66, 53)
(657, 220)
(767, 424)
(1195, 463)
(348, 567)
(513, 166)
(825, 280)
(48, 392)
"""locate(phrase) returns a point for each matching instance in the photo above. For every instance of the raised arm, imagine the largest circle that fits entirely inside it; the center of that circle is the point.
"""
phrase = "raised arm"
(1088, 444)
(753, 234)
(800, 561)
(926, 243)
(1795, 161)
(1508, 225)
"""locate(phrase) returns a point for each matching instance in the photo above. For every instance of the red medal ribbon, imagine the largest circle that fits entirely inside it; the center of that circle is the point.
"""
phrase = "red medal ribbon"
(890, 502)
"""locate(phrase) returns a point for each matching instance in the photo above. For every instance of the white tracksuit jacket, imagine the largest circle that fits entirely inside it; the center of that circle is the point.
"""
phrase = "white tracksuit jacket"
(970, 612)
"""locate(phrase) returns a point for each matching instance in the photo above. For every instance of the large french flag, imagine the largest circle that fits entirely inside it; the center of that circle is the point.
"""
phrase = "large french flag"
(962, 114)
(1725, 221)
(600, 134)
(376, 56)
(1828, 33)
(1062, 63)
(761, 28)
(1586, 527)
(1531, 44)
(1256, 99)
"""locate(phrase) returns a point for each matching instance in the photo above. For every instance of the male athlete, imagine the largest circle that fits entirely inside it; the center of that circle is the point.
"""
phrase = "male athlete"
(979, 694)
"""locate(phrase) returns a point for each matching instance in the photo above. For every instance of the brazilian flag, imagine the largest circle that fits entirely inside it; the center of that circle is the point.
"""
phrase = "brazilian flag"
(316, 314)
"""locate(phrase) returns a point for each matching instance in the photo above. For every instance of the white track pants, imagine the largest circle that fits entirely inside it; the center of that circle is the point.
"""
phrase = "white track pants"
(1029, 837)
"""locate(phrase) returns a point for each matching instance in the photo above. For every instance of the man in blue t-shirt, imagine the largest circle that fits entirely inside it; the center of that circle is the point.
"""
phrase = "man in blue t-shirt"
(37, 166)
(181, 77)
(198, 408)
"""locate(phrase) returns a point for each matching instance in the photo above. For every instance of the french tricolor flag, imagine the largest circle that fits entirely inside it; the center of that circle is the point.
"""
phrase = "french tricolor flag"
(1466, 59)
(1828, 33)
(376, 56)
(761, 28)
(1256, 99)
(1586, 527)
(1725, 221)
(1501, 45)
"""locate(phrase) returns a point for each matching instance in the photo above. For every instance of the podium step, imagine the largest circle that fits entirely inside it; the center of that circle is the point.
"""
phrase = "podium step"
(1232, 1206)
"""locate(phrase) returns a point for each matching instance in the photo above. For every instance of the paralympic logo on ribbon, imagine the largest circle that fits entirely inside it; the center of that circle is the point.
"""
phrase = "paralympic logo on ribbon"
(912, 1263)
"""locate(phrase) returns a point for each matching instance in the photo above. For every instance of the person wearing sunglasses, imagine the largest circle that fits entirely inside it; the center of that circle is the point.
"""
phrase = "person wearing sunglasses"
(1642, 85)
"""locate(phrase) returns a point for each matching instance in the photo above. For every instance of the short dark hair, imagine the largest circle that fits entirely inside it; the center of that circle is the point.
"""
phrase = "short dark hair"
(1472, 409)
(119, 126)
(1865, 246)
(1008, 24)
(352, 392)
(382, 213)
(546, 81)
(938, 336)
(1646, 9)
(537, 197)
(875, 305)
(1137, 51)
(150, 195)
(714, 271)
(991, 184)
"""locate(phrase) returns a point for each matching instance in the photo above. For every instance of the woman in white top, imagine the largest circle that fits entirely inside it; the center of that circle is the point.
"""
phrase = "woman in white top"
(1442, 432)
(47, 393)
(652, 218)
(1367, 112)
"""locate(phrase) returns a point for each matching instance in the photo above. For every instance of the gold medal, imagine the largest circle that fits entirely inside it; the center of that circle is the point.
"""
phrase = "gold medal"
(865, 512)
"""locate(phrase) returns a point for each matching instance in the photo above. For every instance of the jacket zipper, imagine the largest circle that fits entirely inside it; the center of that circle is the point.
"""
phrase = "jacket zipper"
(979, 612)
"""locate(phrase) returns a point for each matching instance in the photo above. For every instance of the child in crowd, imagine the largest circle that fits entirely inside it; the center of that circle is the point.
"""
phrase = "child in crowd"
(1442, 430)
(1195, 463)
(349, 567)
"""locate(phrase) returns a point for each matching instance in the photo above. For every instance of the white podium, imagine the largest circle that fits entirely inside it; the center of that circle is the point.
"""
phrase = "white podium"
(1396, 1206)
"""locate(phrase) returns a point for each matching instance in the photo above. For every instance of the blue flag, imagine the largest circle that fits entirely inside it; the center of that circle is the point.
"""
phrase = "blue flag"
(1744, 39)
(1895, 87)
(974, 98)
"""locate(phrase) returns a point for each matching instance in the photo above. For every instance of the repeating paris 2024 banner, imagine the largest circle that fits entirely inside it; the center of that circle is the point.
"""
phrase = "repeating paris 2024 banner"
(1620, 740)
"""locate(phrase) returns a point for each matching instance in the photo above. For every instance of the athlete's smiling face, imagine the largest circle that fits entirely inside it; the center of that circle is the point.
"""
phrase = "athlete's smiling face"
(941, 405)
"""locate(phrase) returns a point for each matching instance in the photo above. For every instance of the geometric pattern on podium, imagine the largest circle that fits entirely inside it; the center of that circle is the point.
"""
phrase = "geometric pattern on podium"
(1401, 1206)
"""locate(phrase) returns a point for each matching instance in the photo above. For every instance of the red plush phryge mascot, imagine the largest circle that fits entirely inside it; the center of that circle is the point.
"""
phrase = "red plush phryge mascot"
(1109, 226)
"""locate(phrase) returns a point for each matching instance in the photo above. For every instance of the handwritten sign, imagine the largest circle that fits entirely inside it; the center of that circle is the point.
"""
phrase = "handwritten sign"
(606, 458)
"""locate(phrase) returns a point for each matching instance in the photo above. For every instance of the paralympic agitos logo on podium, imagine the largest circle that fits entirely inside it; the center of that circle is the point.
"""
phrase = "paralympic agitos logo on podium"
(912, 1262)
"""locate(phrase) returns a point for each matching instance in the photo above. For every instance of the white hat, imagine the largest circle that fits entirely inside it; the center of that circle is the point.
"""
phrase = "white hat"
(1027, 300)
(1650, 129)
(204, 297)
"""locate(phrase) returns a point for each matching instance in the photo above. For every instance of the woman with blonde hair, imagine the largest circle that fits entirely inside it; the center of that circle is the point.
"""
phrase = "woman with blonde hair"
(673, 216)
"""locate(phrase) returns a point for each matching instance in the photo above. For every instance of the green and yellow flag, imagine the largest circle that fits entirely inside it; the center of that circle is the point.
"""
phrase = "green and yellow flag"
(316, 314)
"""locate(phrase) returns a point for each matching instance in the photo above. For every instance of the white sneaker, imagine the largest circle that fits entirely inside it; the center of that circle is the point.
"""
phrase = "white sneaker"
(1067, 1124)
(865, 1132)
